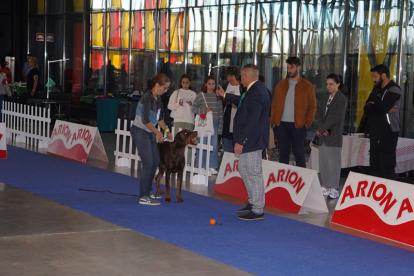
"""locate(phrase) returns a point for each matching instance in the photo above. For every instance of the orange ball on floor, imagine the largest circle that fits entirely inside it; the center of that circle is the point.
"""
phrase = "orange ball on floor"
(212, 221)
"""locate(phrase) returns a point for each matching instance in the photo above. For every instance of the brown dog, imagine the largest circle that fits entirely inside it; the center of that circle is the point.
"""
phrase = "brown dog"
(172, 160)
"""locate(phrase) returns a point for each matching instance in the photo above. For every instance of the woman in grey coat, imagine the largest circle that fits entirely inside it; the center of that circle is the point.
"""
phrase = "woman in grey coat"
(330, 128)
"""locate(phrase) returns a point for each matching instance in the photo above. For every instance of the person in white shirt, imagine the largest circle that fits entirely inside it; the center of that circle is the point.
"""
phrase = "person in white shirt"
(180, 104)
(235, 88)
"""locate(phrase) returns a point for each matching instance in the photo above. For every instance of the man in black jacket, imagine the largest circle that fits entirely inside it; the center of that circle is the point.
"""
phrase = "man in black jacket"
(384, 122)
(251, 136)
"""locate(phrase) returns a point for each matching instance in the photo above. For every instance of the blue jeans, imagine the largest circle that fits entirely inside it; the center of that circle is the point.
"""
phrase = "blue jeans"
(228, 145)
(148, 151)
(289, 136)
(214, 153)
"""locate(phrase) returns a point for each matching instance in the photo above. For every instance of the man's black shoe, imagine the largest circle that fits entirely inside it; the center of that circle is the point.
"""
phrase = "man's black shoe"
(252, 216)
(245, 210)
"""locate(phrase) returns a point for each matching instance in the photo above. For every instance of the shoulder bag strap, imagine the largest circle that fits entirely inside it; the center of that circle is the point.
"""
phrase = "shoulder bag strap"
(202, 94)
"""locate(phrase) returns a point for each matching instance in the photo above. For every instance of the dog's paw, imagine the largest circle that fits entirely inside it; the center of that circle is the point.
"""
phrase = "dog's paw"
(180, 200)
(160, 192)
(168, 199)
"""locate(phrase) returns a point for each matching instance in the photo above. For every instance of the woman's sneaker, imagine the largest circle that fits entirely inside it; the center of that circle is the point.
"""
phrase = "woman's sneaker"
(333, 193)
(146, 200)
(326, 191)
(155, 195)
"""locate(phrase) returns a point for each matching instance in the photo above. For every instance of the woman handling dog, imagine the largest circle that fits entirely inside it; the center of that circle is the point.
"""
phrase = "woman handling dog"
(149, 113)
(330, 128)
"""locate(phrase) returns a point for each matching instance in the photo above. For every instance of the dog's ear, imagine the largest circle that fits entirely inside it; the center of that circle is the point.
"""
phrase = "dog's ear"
(178, 138)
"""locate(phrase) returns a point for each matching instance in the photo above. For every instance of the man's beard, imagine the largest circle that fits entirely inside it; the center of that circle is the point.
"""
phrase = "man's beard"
(379, 83)
(294, 74)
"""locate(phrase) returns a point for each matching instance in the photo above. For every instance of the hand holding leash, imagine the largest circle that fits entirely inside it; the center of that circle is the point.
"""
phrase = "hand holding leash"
(159, 136)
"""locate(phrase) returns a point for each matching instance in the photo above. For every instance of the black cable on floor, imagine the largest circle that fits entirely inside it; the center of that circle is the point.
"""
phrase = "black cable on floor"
(95, 191)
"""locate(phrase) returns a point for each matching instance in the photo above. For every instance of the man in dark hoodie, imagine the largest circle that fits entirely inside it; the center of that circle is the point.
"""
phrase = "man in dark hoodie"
(384, 122)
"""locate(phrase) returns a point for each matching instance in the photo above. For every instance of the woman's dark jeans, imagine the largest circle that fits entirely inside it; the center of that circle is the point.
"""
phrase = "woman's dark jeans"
(148, 151)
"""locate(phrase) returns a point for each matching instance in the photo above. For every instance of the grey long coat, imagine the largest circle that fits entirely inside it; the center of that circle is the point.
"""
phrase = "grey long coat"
(333, 120)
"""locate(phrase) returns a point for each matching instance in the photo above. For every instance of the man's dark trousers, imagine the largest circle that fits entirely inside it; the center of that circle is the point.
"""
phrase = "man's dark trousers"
(289, 136)
(382, 157)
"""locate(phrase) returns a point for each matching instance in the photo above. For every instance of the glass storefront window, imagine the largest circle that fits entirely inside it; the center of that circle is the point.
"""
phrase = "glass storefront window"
(36, 7)
(276, 25)
(320, 43)
(237, 35)
(36, 47)
(74, 6)
(407, 76)
(202, 43)
(201, 3)
(171, 45)
(133, 33)
(373, 40)
(55, 7)
(98, 5)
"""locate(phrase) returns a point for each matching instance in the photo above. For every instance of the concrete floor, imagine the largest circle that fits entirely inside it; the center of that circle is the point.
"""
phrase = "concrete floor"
(41, 237)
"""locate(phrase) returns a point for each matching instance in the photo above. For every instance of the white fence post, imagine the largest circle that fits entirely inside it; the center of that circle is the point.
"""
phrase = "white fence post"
(124, 155)
(27, 124)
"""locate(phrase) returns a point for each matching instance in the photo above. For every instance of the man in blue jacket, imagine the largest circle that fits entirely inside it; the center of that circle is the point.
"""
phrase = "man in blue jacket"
(251, 136)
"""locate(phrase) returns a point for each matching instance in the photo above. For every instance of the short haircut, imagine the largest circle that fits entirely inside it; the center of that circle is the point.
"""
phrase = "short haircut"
(251, 68)
(294, 61)
(381, 69)
(232, 71)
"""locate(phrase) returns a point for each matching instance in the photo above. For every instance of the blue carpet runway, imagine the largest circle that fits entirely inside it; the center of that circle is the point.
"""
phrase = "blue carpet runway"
(276, 246)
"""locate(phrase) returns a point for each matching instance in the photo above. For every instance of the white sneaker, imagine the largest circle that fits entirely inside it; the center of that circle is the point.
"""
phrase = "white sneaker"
(333, 193)
(326, 191)
(155, 196)
(213, 171)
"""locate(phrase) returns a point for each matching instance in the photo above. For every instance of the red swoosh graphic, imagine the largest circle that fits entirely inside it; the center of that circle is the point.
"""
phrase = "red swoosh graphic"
(278, 197)
(3, 154)
(364, 218)
(77, 152)
(233, 187)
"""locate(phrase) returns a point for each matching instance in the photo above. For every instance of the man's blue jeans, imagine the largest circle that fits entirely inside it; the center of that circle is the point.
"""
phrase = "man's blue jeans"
(148, 151)
(228, 145)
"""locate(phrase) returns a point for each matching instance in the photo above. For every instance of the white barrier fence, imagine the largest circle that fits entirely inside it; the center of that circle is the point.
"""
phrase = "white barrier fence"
(27, 124)
(126, 151)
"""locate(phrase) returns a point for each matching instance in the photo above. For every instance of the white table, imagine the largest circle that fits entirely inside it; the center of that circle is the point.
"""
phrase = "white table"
(355, 152)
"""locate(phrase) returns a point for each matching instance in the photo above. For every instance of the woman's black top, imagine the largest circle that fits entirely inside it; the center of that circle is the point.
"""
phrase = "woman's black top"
(30, 81)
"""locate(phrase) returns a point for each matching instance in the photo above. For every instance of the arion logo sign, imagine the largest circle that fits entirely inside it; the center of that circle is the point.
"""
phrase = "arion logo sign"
(287, 187)
(379, 206)
(77, 142)
(41, 37)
